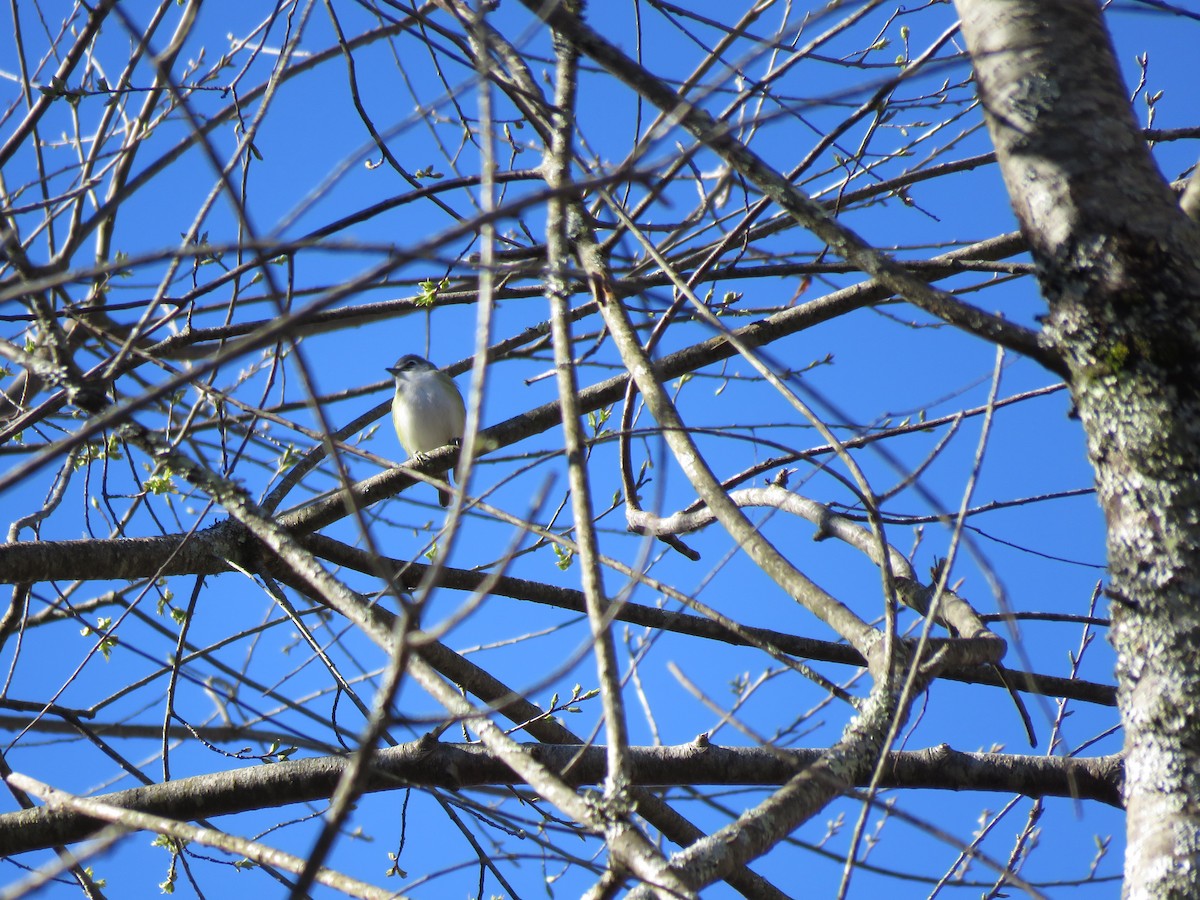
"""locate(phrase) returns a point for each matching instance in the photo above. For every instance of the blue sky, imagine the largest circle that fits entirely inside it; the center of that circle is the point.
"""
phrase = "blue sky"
(887, 364)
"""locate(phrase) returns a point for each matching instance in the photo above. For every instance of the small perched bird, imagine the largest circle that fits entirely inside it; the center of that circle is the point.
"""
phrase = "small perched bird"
(428, 410)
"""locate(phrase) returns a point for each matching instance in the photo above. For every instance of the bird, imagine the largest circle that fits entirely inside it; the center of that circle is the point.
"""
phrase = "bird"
(427, 410)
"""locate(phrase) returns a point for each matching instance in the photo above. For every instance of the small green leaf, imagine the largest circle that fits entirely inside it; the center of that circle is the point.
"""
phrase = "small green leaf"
(162, 483)
(287, 459)
(430, 290)
(563, 557)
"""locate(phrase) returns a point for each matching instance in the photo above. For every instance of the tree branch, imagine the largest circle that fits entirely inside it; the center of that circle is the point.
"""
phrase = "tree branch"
(430, 764)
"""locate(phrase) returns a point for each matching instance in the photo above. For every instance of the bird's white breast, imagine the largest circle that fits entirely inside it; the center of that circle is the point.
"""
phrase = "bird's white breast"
(427, 414)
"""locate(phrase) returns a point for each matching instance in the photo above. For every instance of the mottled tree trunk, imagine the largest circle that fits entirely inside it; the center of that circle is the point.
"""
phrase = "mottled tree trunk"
(1119, 265)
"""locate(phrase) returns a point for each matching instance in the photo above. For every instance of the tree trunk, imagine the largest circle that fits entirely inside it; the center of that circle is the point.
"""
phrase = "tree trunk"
(1117, 263)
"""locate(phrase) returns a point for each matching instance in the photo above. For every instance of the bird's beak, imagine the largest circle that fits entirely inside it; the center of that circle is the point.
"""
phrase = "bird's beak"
(392, 370)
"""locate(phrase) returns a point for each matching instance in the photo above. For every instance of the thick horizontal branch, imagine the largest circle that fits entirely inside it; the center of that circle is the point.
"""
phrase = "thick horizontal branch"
(112, 559)
(427, 763)
(205, 553)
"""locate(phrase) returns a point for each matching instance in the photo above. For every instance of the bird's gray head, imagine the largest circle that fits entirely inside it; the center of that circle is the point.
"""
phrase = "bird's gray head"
(410, 365)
